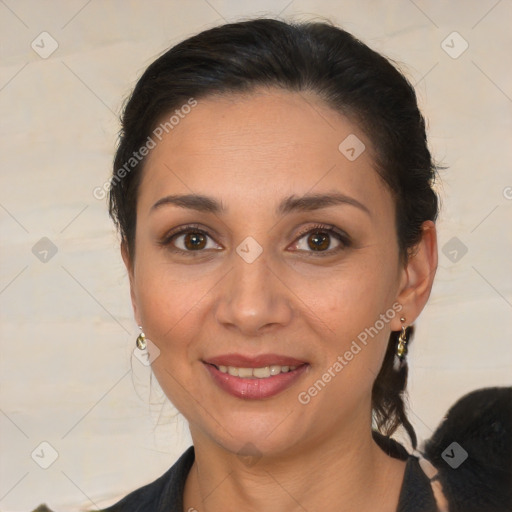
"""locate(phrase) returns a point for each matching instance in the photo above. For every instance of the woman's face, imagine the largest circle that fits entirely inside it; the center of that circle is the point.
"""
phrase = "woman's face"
(245, 288)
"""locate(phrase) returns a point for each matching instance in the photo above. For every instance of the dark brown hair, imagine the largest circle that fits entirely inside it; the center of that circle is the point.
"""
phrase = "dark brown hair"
(343, 72)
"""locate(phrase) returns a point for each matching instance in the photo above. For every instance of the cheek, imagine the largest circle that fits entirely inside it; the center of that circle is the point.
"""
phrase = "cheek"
(168, 306)
(168, 310)
(356, 308)
(352, 298)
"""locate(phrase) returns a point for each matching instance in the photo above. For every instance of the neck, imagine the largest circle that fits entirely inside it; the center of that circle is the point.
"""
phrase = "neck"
(346, 473)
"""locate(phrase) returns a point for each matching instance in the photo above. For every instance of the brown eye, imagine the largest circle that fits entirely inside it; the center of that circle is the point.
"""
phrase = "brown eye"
(194, 241)
(189, 239)
(318, 239)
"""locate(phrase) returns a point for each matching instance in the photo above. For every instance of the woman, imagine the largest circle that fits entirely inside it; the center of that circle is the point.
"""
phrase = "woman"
(273, 192)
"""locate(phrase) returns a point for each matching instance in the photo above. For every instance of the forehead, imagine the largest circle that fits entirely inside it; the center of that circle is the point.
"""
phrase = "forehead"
(264, 123)
(259, 145)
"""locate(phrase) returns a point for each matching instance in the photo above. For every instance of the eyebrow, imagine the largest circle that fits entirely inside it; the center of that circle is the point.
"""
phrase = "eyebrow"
(306, 203)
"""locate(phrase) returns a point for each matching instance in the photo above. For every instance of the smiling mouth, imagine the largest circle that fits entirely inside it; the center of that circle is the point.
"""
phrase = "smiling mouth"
(263, 372)
(255, 377)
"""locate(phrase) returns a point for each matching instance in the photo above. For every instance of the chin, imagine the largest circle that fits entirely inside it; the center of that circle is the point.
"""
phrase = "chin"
(271, 431)
(250, 443)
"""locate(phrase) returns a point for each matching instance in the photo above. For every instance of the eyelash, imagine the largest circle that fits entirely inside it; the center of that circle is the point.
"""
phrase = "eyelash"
(326, 229)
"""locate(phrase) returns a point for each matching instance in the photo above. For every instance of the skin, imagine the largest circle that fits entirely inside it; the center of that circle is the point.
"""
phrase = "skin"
(251, 151)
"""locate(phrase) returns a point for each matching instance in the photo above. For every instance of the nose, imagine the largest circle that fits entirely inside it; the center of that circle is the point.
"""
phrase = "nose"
(253, 298)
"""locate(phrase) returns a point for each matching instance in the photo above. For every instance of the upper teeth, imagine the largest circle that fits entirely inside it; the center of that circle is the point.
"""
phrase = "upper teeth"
(258, 373)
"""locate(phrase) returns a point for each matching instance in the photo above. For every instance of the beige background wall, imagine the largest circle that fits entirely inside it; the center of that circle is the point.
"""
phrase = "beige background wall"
(66, 374)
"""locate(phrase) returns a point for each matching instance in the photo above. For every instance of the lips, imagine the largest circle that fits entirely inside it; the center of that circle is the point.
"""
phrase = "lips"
(249, 387)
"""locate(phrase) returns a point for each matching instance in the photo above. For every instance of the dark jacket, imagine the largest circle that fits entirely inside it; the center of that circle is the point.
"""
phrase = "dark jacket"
(166, 493)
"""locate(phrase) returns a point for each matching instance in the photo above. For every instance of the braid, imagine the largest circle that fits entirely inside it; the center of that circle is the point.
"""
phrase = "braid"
(389, 389)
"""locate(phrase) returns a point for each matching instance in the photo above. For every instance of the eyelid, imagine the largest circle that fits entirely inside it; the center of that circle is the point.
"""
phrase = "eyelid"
(328, 228)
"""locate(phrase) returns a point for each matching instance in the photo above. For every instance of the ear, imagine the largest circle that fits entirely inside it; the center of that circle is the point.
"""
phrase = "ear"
(130, 267)
(417, 277)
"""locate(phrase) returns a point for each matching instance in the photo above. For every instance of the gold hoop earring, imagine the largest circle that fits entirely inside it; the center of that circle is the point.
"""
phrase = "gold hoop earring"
(141, 340)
